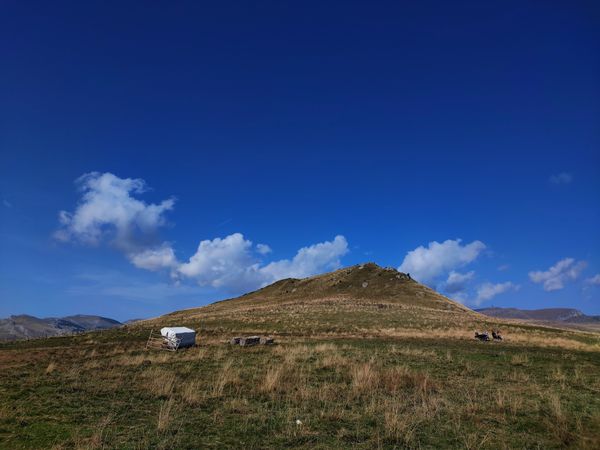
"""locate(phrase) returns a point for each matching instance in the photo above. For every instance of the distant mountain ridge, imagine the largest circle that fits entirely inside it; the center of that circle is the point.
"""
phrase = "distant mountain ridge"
(26, 327)
(559, 315)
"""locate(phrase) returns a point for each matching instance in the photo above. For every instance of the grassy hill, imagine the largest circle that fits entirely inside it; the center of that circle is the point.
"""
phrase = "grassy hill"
(365, 358)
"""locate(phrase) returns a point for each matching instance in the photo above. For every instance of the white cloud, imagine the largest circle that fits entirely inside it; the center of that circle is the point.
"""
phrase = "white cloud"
(560, 273)
(263, 249)
(426, 264)
(108, 209)
(219, 263)
(457, 281)
(489, 290)
(309, 260)
(503, 267)
(157, 258)
(230, 263)
(561, 178)
(460, 297)
(595, 280)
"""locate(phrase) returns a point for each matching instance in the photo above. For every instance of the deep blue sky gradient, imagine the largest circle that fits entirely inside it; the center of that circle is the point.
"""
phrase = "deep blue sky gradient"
(392, 123)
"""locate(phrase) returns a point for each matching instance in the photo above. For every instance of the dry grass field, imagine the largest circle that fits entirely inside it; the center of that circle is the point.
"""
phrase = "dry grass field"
(389, 369)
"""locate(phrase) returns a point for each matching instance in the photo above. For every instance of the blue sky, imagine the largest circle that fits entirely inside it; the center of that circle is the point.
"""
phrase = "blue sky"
(458, 141)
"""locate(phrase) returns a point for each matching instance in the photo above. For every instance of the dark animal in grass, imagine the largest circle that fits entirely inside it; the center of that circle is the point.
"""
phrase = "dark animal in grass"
(249, 341)
(496, 335)
(482, 336)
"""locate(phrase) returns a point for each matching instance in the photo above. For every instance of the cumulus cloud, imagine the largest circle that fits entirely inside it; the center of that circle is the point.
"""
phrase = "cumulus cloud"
(226, 262)
(594, 281)
(560, 273)
(489, 290)
(230, 263)
(425, 264)
(561, 178)
(110, 212)
(309, 260)
(263, 249)
(460, 297)
(108, 209)
(457, 281)
(154, 259)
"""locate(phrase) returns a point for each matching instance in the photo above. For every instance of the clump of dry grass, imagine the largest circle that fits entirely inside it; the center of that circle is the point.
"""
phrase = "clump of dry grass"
(272, 379)
(475, 440)
(558, 421)
(297, 353)
(519, 360)
(160, 383)
(365, 378)
(93, 364)
(558, 375)
(98, 439)
(414, 352)
(555, 407)
(334, 360)
(226, 376)
(399, 426)
(165, 414)
(238, 405)
(393, 379)
(518, 376)
(192, 393)
(325, 348)
(4, 412)
(51, 367)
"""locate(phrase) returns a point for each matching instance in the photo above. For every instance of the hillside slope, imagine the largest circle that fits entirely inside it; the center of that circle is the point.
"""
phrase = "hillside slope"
(364, 358)
(363, 299)
(368, 282)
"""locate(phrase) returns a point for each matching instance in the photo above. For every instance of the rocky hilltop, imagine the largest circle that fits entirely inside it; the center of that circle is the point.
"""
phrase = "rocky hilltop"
(359, 298)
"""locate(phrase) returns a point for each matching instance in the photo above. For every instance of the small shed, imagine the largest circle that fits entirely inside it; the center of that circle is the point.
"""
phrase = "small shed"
(179, 336)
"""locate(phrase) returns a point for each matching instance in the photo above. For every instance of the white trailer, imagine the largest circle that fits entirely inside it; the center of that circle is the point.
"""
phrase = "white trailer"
(172, 338)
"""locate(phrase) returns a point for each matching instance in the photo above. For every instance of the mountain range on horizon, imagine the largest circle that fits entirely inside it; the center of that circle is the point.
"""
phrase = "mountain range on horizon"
(24, 326)
(565, 316)
(367, 281)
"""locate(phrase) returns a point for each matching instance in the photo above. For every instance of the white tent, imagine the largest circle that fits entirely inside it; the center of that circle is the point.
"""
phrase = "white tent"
(179, 336)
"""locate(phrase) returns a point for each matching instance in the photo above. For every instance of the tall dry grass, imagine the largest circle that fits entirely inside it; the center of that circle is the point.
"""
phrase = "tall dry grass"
(272, 379)
(51, 368)
(521, 359)
(99, 438)
(165, 414)
(192, 393)
(160, 382)
(227, 375)
(365, 378)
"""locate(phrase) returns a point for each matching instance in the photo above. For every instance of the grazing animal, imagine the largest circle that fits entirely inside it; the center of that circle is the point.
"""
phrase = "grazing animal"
(496, 335)
(482, 336)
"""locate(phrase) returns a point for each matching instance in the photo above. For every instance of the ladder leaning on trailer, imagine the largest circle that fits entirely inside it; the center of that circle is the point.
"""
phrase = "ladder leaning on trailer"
(161, 342)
